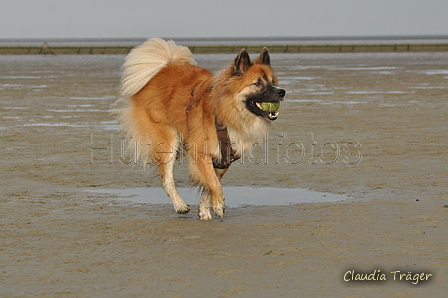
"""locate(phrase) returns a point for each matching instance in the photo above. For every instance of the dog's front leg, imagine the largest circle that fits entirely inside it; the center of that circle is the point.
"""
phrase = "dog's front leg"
(209, 201)
(205, 204)
(204, 174)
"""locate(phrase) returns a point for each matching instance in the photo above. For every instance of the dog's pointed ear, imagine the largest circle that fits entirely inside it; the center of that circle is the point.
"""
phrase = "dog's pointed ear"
(264, 57)
(242, 62)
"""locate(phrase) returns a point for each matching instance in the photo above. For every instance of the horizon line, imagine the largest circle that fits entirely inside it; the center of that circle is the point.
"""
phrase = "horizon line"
(311, 37)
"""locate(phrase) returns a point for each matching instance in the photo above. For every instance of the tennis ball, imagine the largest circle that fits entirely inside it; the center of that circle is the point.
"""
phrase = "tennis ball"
(270, 107)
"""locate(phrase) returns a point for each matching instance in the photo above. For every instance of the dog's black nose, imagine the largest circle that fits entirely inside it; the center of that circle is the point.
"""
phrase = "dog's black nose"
(281, 92)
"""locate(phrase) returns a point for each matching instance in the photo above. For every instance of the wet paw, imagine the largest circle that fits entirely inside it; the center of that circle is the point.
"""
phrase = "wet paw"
(183, 209)
(219, 210)
(204, 214)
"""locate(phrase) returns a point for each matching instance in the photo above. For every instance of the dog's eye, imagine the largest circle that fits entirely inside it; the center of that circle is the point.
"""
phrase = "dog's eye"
(258, 84)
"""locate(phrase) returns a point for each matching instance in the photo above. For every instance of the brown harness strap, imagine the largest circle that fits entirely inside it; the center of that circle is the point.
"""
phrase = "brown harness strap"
(190, 103)
(228, 155)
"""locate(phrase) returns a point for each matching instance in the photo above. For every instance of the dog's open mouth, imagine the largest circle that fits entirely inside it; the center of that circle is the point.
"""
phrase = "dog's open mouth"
(267, 109)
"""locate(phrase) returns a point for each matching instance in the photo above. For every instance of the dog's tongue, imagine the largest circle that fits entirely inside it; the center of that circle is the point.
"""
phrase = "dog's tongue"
(270, 107)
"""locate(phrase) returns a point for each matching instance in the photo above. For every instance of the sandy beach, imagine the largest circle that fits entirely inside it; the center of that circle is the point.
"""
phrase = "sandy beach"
(372, 127)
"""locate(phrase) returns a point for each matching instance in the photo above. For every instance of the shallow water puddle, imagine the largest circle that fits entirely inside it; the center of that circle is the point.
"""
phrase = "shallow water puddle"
(235, 196)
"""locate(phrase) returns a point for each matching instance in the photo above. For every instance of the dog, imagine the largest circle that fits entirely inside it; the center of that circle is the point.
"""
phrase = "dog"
(168, 106)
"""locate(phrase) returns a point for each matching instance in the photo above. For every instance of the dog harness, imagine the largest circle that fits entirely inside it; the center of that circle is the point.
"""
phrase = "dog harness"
(228, 155)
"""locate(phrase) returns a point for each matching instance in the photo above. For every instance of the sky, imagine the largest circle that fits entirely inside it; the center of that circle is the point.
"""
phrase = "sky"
(223, 18)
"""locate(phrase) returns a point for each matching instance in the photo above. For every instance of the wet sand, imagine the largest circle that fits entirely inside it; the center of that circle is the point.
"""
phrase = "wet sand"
(369, 126)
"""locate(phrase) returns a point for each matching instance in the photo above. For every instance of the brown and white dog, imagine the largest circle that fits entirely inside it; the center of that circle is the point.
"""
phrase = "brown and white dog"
(168, 106)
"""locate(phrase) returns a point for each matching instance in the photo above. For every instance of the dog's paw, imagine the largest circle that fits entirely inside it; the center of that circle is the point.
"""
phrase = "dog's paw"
(184, 209)
(204, 214)
(219, 209)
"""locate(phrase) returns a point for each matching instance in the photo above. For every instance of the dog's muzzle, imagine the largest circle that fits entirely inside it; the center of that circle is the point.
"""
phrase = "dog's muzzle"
(266, 104)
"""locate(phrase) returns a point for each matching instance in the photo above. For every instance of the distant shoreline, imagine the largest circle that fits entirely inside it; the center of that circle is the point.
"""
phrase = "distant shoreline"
(254, 40)
(229, 49)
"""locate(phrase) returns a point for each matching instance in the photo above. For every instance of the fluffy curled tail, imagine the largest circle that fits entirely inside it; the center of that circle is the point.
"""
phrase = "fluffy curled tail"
(145, 61)
(141, 65)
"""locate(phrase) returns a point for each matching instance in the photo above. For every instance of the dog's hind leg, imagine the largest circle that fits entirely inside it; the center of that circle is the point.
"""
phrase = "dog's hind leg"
(165, 155)
(168, 184)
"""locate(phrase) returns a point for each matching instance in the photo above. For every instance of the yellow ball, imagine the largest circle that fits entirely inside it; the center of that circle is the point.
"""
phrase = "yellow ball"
(270, 107)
